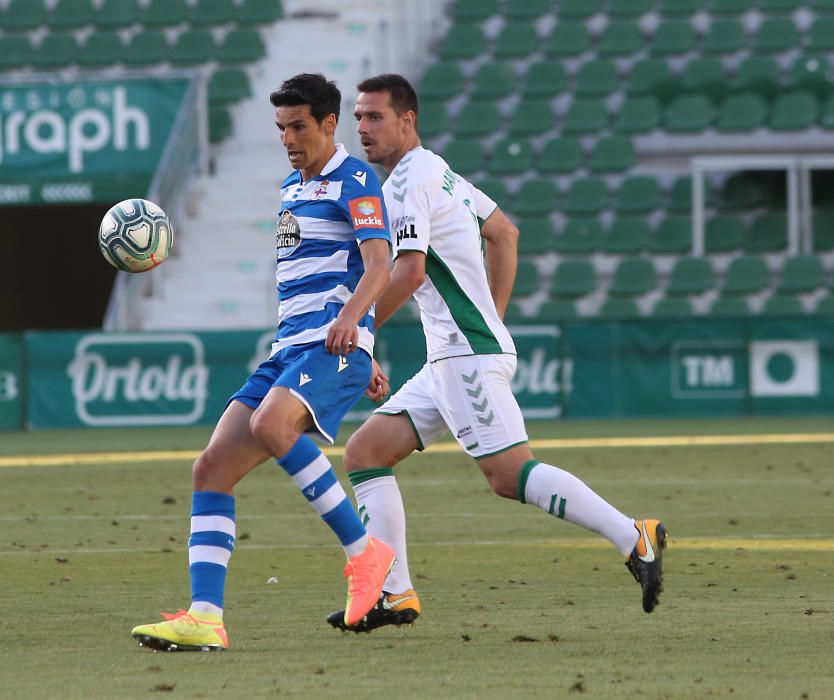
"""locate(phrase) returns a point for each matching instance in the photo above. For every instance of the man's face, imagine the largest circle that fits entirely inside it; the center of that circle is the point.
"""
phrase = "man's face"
(381, 129)
(307, 141)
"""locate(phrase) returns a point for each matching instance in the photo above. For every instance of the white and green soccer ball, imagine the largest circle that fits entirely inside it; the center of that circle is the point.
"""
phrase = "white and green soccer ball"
(135, 235)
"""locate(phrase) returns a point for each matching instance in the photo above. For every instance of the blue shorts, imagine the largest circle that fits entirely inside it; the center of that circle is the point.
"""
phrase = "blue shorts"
(328, 385)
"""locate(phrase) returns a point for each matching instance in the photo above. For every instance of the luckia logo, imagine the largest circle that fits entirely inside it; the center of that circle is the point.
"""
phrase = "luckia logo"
(365, 207)
(139, 379)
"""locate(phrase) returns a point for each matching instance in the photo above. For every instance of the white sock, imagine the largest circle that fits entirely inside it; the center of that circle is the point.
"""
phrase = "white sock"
(380, 506)
(561, 494)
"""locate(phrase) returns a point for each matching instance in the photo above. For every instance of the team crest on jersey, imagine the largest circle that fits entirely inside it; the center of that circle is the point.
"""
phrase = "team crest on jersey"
(321, 190)
(366, 212)
(287, 234)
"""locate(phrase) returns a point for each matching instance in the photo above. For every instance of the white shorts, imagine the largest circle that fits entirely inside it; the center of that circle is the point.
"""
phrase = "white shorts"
(470, 396)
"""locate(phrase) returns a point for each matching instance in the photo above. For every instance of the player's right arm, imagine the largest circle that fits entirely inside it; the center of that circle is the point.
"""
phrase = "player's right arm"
(407, 276)
(501, 237)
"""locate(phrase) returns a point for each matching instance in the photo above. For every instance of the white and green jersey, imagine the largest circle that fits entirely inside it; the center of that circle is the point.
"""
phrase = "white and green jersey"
(435, 211)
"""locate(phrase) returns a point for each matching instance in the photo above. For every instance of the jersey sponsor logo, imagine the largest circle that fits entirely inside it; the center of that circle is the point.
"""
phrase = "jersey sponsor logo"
(287, 234)
(406, 232)
(464, 431)
(366, 212)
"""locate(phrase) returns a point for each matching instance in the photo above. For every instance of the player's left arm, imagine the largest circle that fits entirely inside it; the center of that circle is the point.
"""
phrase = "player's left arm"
(501, 237)
(343, 336)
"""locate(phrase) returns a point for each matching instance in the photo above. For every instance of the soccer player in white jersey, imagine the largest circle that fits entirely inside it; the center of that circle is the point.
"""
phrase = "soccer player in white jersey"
(464, 387)
(333, 261)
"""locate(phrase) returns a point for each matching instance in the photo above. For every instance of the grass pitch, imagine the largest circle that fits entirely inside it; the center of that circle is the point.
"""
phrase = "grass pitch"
(515, 603)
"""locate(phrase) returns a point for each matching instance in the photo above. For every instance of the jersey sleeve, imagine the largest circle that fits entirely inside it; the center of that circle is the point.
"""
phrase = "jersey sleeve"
(413, 228)
(484, 205)
(363, 204)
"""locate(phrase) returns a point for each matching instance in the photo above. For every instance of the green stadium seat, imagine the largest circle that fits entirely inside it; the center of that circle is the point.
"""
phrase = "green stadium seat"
(801, 274)
(746, 275)
(536, 198)
(536, 236)
(495, 189)
(526, 279)
(775, 35)
(614, 154)
(517, 39)
(811, 74)
(723, 234)
(690, 277)
(478, 119)
(618, 309)
(781, 305)
(623, 9)
(532, 117)
(826, 120)
(578, 9)
(545, 79)
(15, 52)
(55, 51)
(670, 308)
(633, 277)
(573, 279)
(101, 49)
(511, 157)
(679, 8)
(778, 6)
(146, 49)
(211, 12)
(251, 13)
(164, 13)
(680, 194)
(473, 10)
(586, 197)
(626, 237)
(228, 85)
(242, 46)
(731, 7)
(220, 124)
(514, 314)
(638, 115)
(568, 39)
(821, 35)
(526, 9)
(673, 236)
(689, 114)
(579, 237)
(116, 14)
(465, 156)
(673, 38)
(724, 36)
(70, 14)
(638, 194)
(494, 81)
(596, 79)
(432, 119)
(794, 111)
(741, 191)
(822, 6)
(463, 41)
(561, 155)
(825, 306)
(767, 234)
(744, 112)
(193, 47)
(759, 74)
(729, 307)
(22, 16)
(620, 39)
(585, 117)
(706, 76)
(652, 78)
(441, 81)
(556, 310)
(823, 230)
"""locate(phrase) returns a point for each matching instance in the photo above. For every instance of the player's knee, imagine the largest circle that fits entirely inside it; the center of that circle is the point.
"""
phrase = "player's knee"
(358, 452)
(276, 436)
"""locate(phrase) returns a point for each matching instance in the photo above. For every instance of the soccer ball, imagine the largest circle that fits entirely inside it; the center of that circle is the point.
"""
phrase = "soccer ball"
(135, 235)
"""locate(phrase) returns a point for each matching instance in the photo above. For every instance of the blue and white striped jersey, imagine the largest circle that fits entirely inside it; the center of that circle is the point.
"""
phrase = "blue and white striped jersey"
(318, 233)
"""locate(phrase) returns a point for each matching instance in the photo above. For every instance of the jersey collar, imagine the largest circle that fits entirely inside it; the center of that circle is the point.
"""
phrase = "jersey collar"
(338, 158)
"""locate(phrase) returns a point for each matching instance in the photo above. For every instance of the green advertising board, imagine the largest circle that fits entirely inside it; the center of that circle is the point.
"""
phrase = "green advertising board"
(11, 381)
(84, 141)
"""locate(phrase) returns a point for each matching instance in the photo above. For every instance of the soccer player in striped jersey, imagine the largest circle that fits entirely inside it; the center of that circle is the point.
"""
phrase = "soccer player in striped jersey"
(465, 385)
(333, 261)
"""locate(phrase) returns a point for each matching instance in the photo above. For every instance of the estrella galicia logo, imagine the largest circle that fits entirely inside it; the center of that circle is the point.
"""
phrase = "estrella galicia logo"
(139, 379)
(287, 234)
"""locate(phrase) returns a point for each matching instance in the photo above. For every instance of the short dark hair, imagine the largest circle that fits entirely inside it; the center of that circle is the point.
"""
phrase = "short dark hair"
(403, 95)
(309, 89)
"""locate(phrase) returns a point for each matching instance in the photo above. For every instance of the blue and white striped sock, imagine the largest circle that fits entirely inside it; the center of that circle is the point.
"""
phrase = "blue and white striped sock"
(209, 548)
(314, 475)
